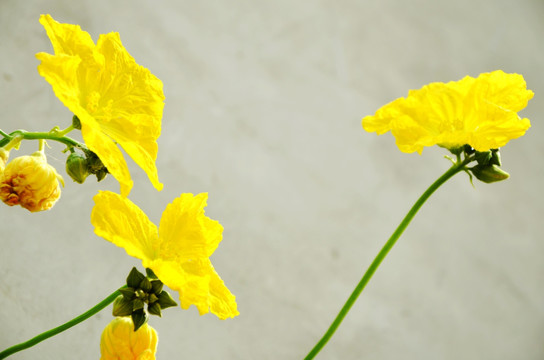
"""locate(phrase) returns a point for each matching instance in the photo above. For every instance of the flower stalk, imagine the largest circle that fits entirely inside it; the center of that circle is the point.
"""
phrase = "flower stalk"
(54, 135)
(458, 166)
(50, 333)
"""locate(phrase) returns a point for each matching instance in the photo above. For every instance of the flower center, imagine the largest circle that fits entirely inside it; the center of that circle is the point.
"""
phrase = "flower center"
(451, 126)
(92, 102)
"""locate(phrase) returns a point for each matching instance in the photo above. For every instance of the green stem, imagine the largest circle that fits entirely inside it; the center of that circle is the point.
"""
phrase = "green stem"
(457, 167)
(51, 135)
(47, 334)
(65, 131)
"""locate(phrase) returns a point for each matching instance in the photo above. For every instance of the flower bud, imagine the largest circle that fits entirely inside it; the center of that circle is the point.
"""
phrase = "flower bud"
(120, 341)
(122, 306)
(155, 309)
(76, 167)
(490, 173)
(30, 182)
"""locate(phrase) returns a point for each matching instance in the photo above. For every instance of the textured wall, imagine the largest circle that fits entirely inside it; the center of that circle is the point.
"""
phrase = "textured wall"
(263, 108)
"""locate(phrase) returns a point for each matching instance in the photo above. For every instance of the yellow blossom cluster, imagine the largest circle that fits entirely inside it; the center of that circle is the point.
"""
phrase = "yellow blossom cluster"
(118, 102)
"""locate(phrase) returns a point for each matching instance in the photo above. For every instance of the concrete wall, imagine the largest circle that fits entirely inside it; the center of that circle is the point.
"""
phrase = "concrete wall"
(263, 107)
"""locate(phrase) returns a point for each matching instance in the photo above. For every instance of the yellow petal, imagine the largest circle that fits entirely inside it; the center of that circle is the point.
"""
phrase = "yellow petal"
(66, 38)
(110, 155)
(118, 220)
(198, 284)
(185, 232)
(133, 105)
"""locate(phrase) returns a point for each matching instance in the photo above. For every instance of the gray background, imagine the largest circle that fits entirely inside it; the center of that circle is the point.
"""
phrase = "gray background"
(263, 109)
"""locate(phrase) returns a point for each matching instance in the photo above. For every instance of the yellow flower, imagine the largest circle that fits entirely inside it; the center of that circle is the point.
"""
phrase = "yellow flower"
(178, 252)
(116, 100)
(119, 341)
(480, 112)
(31, 182)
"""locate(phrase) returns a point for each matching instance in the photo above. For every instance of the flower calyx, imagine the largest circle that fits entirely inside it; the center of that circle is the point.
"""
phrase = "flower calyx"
(80, 166)
(488, 166)
(142, 290)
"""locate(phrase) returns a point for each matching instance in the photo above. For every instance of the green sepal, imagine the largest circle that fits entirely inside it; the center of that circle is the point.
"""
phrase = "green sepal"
(76, 123)
(128, 292)
(139, 318)
(150, 274)
(76, 167)
(166, 301)
(455, 150)
(483, 157)
(154, 309)
(156, 286)
(495, 157)
(93, 161)
(134, 278)
(489, 174)
(101, 174)
(468, 150)
(122, 306)
(95, 165)
(145, 285)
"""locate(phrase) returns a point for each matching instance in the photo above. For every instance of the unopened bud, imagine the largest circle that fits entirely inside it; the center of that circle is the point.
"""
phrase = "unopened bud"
(31, 182)
(155, 309)
(165, 300)
(120, 341)
(76, 167)
(134, 278)
(490, 173)
(122, 306)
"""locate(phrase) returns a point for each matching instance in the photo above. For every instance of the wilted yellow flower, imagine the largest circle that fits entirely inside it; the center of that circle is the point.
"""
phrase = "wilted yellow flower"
(480, 112)
(119, 341)
(31, 182)
(116, 100)
(178, 252)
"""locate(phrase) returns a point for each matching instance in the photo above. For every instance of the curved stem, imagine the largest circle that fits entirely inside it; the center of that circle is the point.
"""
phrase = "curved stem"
(50, 136)
(47, 334)
(457, 167)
